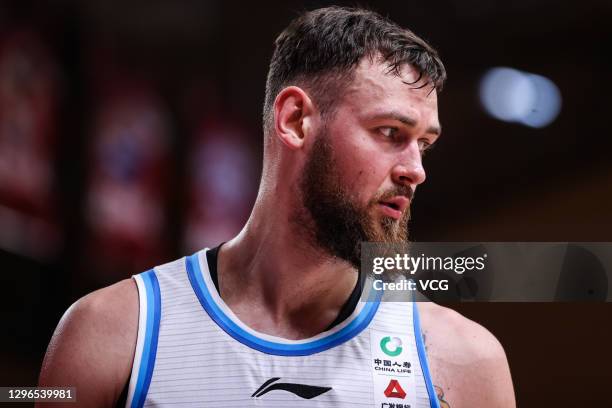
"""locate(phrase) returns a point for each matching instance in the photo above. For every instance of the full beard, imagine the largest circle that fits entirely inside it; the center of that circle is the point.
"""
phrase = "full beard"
(336, 222)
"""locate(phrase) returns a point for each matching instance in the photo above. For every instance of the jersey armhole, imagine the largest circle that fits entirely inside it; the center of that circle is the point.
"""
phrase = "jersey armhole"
(433, 398)
(149, 300)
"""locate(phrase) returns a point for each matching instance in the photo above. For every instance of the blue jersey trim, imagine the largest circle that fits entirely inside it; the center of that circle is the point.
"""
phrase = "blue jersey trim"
(269, 347)
(147, 361)
(433, 399)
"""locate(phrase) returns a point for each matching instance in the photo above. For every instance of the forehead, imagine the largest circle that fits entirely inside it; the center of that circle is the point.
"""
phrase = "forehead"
(375, 87)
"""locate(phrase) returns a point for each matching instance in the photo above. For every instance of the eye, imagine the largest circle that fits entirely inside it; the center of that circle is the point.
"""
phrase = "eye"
(424, 146)
(389, 132)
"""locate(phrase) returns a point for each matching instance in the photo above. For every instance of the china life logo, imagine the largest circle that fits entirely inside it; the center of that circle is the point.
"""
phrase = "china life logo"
(391, 346)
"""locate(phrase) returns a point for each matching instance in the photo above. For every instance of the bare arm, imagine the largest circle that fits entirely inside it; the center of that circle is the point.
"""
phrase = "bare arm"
(93, 346)
(469, 366)
(489, 372)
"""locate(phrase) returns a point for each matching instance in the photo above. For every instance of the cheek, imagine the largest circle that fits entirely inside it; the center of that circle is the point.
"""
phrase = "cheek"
(362, 174)
(359, 162)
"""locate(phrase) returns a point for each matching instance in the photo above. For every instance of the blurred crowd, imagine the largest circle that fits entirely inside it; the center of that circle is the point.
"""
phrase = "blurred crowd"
(128, 157)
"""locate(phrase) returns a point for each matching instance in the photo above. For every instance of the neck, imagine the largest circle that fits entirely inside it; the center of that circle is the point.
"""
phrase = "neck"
(294, 289)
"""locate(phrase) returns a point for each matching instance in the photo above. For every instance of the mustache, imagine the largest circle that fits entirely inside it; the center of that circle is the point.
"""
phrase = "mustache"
(405, 191)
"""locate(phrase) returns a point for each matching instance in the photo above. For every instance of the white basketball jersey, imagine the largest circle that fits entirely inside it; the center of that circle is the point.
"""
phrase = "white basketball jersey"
(192, 351)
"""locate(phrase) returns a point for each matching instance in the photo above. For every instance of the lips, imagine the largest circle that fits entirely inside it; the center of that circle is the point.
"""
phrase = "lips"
(395, 206)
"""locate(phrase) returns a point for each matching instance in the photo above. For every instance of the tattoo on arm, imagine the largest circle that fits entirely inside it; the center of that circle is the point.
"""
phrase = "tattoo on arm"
(440, 395)
(439, 390)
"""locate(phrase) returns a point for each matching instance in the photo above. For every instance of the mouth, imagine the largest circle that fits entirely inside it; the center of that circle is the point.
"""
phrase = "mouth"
(395, 206)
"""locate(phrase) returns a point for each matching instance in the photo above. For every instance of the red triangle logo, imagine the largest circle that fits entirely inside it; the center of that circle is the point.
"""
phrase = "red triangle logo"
(394, 390)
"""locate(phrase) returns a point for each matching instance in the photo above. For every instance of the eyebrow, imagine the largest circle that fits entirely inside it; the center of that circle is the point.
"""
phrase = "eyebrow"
(408, 121)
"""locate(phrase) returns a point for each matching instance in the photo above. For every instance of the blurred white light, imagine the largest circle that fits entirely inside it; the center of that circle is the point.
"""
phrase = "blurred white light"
(547, 104)
(515, 96)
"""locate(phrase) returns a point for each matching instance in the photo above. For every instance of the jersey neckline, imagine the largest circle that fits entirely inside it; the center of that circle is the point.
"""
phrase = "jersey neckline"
(217, 309)
(345, 311)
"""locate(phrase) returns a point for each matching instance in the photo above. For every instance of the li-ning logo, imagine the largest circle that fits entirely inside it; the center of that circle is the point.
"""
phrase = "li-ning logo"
(301, 390)
(396, 348)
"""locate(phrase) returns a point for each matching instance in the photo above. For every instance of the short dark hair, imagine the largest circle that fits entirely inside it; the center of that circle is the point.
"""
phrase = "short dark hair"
(320, 49)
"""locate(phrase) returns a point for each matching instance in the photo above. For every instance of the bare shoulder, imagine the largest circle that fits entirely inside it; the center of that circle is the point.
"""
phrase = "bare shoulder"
(93, 345)
(471, 339)
(469, 365)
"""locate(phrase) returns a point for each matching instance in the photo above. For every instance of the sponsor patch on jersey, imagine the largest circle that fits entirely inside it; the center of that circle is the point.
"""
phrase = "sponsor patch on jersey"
(392, 370)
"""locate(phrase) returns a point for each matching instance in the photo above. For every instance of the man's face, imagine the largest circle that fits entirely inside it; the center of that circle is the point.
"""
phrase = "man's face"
(365, 162)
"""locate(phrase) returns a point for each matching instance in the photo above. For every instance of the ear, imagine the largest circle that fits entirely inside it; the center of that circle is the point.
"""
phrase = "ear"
(293, 113)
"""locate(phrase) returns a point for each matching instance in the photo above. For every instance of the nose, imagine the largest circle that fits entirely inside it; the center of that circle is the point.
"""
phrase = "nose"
(410, 171)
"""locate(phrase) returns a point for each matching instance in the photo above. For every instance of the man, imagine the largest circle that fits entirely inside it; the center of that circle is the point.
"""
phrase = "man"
(272, 317)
